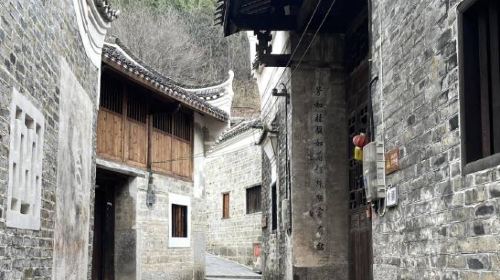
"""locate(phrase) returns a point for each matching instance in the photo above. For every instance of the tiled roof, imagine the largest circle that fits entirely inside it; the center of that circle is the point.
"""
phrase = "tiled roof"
(238, 129)
(122, 60)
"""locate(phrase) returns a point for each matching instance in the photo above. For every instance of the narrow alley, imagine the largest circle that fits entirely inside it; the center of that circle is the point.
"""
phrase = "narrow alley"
(250, 139)
(219, 268)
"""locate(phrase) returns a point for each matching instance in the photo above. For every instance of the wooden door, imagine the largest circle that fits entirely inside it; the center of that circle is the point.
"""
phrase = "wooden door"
(361, 257)
(104, 228)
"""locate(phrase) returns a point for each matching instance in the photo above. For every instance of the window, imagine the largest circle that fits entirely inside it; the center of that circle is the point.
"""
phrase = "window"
(225, 205)
(183, 125)
(274, 207)
(179, 221)
(480, 78)
(111, 97)
(253, 200)
(137, 108)
(25, 164)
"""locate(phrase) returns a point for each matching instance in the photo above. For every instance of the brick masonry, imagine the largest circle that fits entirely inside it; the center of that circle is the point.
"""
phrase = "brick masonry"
(34, 37)
(446, 225)
(275, 253)
(231, 167)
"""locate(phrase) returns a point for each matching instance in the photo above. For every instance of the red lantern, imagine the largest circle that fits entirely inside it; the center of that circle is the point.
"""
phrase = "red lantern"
(360, 140)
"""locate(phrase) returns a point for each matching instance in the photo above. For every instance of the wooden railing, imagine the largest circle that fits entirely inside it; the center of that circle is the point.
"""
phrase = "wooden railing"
(125, 140)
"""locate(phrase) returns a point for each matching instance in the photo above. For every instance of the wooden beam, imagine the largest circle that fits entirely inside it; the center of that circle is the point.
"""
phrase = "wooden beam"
(264, 22)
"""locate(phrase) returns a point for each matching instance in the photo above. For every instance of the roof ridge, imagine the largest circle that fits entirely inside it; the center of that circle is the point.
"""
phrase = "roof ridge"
(238, 129)
(122, 45)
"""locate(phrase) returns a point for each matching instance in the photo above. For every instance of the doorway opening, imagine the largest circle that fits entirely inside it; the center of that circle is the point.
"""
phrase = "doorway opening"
(108, 187)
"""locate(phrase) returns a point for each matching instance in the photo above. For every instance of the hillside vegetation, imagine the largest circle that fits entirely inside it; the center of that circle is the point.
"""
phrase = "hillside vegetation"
(178, 37)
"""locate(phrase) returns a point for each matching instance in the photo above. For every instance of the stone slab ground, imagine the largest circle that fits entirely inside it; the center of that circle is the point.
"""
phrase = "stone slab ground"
(219, 268)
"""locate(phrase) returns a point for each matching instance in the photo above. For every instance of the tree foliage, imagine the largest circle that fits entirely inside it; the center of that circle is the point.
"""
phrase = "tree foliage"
(178, 38)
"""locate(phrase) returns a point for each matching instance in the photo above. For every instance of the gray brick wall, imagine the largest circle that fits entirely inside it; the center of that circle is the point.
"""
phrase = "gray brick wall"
(34, 35)
(446, 225)
(233, 169)
(156, 259)
(275, 254)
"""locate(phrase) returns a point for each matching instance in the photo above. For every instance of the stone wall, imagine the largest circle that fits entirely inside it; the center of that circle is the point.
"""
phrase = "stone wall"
(276, 256)
(276, 244)
(142, 243)
(157, 260)
(35, 38)
(231, 167)
(446, 225)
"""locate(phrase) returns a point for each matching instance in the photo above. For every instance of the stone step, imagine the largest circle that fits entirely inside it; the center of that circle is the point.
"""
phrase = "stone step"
(231, 277)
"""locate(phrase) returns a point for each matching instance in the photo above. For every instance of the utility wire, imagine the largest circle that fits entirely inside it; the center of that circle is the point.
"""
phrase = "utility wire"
(202, 154)
(293, 52)
(305, 52)
(314, 37)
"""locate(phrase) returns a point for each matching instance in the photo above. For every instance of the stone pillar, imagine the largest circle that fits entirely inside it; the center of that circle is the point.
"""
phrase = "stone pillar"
(319, 167)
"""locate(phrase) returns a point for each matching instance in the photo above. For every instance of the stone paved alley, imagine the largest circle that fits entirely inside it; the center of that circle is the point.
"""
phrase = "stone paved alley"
(219, 268)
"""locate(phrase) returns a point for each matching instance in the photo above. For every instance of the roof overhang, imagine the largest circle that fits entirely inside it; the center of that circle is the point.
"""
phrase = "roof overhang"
(118, 60)
(264, 16)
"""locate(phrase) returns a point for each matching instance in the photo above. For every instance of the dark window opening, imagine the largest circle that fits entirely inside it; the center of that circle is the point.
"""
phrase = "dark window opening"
(480, 67)
(111, 95)
(137, 108)
(254, 199)
(163, 122)
(274, 208)
(183, 125)
(225, 206)
(179, 221)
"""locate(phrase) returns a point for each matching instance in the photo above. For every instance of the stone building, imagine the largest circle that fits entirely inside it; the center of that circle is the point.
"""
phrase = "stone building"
(421, 80)
(150, 192)
(51, 75)
(233, 195)
(49, 88)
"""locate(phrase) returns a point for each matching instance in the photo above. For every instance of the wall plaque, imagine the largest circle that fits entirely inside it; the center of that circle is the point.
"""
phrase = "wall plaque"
(392, 161)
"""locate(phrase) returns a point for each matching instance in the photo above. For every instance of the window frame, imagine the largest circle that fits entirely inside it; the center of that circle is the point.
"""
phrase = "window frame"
(183, 210)
(486, 161)
(17, 169)
(260, 199)
(224, 216)
(179, 242)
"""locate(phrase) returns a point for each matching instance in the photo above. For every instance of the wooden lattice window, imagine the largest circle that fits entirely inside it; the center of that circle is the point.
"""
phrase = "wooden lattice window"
(183, 125)
(163, 122)
(358, 122)
(480, 78)
(179, 220)
(225, 205)
(111, 95)
(137, 108)
(253, 199)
